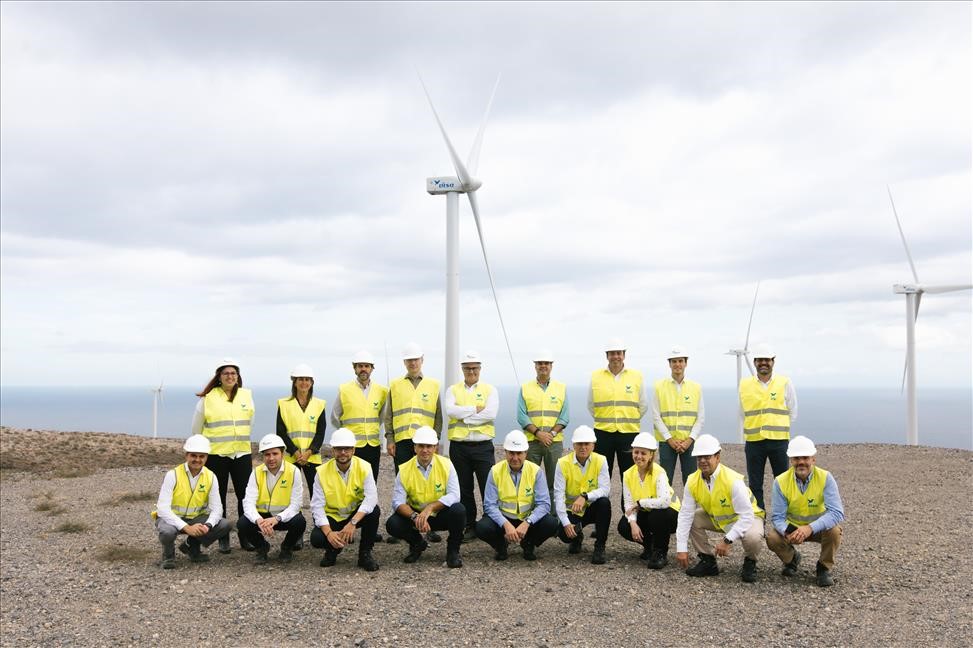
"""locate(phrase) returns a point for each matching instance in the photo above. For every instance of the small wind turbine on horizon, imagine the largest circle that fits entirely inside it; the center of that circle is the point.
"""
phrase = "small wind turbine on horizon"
(913, 295)
(742, 354)
(156, 399)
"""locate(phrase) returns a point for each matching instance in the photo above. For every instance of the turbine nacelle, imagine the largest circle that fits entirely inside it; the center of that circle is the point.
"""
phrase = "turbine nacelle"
(446, 184)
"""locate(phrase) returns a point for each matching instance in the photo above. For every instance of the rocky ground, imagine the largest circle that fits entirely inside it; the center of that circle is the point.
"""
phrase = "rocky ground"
(78, 566)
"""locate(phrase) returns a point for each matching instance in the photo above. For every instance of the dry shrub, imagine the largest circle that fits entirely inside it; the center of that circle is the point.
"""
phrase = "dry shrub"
(72, 470)
(126, 498)
(121, 553)
(72, 527)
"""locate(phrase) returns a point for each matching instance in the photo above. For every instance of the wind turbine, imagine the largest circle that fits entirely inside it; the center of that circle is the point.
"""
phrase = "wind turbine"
(741, 354)
(156, 399)
(466, 182)
(913, 295)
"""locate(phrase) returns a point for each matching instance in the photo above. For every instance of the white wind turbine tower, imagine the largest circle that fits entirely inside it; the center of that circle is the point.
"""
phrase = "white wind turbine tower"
(741, 354)
(156, 399)
(913, 295)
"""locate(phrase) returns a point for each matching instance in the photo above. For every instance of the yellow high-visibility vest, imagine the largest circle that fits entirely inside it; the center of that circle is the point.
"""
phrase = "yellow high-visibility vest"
(275, 501)
(341, 498)
(419, 491)
(803, 508)
(765, 413)
(412, 407)
(646, 489)
(577, 481)
(718, 503)
(515, 501)
(188, 502)
(476, 397)
(227, 424)
(616, 402)
(544, 406)
(363, 414)
(679, 408)
(301, 425)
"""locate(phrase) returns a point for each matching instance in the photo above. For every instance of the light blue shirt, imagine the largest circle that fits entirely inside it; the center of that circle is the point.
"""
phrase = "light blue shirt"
(834, 512)
(542, 500)
(447, 500)
(523, 420)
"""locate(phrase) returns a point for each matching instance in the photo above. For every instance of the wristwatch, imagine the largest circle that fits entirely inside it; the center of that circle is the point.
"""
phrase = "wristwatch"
(585, 496)
(277, 517)
(414, 516)
(727, 540)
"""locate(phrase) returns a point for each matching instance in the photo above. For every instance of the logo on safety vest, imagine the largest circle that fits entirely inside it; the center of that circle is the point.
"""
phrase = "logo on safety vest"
(810, 501)
(439, 487)
(628, 389)
(773, 395)
(685, 399)
(312, 417)
(425, 396)
(722, 501)
(528, 491)
(591, 482)
(358, 490)
(375, 404)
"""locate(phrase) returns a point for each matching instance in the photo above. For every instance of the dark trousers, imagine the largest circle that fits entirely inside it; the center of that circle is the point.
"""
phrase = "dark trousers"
(404, 450)
(471, 458)
(450, 519)
(615, 445)
(757, 453)
(598, 513)
(371, 454)
(250, 531)
(168, 533)
(368, 526)
(656, 526)
(227, 468)
(668, 457)
(488, 531)
(546, 458)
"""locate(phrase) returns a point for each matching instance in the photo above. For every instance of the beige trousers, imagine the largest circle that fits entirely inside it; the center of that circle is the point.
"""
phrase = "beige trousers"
(830, 540)
(752, 541)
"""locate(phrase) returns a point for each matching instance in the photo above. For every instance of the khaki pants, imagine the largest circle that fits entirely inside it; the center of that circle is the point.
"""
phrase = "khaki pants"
(752, 541)
(830, 540)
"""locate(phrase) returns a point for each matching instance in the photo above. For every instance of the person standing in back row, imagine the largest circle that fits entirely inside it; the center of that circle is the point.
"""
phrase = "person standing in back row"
(677, 412)
(542, 413)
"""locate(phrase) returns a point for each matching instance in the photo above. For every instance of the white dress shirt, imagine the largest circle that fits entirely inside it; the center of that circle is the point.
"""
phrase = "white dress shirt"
(163, 506)
(318, 500)
(603, 490)
(293, 507)
(740, 496)
(468, 413)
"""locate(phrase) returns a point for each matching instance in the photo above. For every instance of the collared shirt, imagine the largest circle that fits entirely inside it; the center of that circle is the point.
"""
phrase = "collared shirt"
(740, 495)
(523, 420)
(468, 413)
(337, 411)
(199, 417)
(437, 424)
(491, 497)
(318, 500)
(293, 507)
(643, 401)
(660, 502)
(790, 399)
(163, 506)
(447, 500)
(834, 511)
(603, 490)
(657, 413)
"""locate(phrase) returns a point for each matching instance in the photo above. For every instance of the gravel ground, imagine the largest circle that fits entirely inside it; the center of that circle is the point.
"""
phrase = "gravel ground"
(903, 576)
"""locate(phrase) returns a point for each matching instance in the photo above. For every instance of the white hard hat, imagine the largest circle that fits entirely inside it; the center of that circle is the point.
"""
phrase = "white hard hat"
(763, 351)
(199, 443)
(583, 434)
(302, 371)
(544, 356)
(228, 362)
(412, 351)
(425, 436)
(343, 438)
(515, 441)
(615, 344)
(270, 441)
(677, 351)
(470, 357)
(363, 357)
(706, 444)
(646, 441)
(801, 446)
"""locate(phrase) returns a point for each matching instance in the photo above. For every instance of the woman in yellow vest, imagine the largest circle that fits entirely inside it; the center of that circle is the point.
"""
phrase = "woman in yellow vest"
(651, 506)
(301, 423)
(224, 415)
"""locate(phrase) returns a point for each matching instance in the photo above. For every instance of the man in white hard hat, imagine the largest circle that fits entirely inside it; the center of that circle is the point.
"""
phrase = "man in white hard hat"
(189, 503)
(426, 497)
(273, 502)
(806, 508)
(651, 506)
(768, 408)
(716, 499)
(582, 485)
(516, 505)
(617, 402)
(471, 406)
(344, 499)
(542, 413)
(678, 414)
(413, 402)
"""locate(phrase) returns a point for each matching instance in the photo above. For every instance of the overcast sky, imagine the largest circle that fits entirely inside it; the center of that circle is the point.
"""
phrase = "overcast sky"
(182, 182)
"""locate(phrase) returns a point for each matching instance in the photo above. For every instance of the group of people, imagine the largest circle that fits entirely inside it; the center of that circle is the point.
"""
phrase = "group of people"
(536, 492)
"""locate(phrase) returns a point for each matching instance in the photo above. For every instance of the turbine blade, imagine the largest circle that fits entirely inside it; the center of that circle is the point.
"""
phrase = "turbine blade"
(493, 287)
(945, 289)
(461, 172)
(473, 162)
(746, 343)
(902, 234)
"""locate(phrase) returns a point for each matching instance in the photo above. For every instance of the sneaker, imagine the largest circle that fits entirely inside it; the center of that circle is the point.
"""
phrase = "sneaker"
(598, 555)
(530, 551)
(824, 577)
(367, 562)
(500, 551)
(749, 572)
(790, 569)
(432, 536)
(453, 559)
(261, 557)
(705, 567)
(415, 551)
(224, 545)
(658, 559)
(329, 559)
(286, 554)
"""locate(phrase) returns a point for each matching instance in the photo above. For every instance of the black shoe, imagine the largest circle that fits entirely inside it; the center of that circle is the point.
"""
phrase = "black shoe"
(574, 547)
(646, 554)
(530, 551)
(329, 559)
(261, 557)
(191, 549)
(168, 563)
(749, 572)
(658, 559)
(432, 536)
(500, 551)
(598, 555)
(379, 537)
(224, 545)
(824, 577)
(790, 569)
(367, 562)
(298, 545)
(286, 554)
(453, 559)
(246, 545)
(469, 534)
(415, 551)
(705, 567)
(168, 557)
(392, 540)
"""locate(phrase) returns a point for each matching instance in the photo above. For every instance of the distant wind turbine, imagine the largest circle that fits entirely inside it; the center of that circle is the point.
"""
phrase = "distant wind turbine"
(741, 354)
(156, 399)
(913, 295)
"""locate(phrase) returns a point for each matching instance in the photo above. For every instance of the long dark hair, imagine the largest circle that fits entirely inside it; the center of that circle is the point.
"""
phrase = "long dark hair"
(214, 382)
(310, 392)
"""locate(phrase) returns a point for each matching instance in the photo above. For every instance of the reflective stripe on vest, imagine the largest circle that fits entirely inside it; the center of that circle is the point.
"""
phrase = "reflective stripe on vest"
(458, 429)
(765, 414)
(679, 409)
(544, 406)
(515, 501)
(301, 424)
(646, 489)
(718, 503)
(341, 498)
(278, 500)
(803, 508)
(616, 402)
(226, 424)
(188, 502)
(361, 414)
(576, 481)
(419, 491)
(413, 406)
